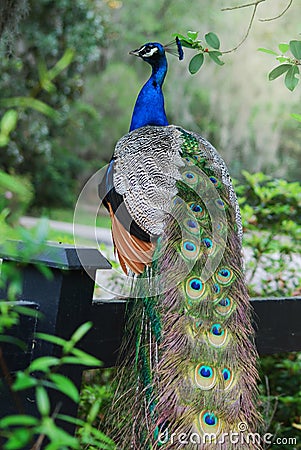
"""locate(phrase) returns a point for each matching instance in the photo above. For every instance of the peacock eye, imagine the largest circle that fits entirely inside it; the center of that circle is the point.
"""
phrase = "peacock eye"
(149, 50)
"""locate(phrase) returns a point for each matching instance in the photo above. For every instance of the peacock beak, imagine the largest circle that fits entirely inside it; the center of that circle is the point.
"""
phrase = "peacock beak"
(135, 52)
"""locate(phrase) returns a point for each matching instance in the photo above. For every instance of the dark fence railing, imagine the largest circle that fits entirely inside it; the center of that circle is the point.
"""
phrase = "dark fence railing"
(64, 301)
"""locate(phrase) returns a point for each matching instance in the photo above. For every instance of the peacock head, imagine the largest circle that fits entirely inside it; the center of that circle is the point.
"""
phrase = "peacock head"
(153, 52)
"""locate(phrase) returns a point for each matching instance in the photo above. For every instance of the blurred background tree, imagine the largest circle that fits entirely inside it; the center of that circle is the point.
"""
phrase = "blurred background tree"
(11, 12)
(43, 148)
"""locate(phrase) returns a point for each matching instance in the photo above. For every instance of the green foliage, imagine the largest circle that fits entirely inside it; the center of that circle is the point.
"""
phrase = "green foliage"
(99, 388)
(196, 62)
(28, 102)
(296, 117)
(191, 41)
(56, 182)
(289, 59)
(33, 244)
(273, 201)
(96, 397)
(46, 77)
(44, 373)
(16, 193)
(58, 43)
(271, 211)
(212, 40)
(20, 430)
(7, 125)
(281, 395)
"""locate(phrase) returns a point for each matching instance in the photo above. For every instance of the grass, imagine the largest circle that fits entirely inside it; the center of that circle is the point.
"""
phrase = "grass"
(21, 233)
(52, 235)
(66, 215)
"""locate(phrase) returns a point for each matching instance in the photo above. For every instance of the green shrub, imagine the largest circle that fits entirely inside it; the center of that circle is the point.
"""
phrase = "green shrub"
(16, 193)
(271, 212)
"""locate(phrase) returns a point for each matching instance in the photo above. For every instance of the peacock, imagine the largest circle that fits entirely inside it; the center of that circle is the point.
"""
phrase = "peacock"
(189, 375)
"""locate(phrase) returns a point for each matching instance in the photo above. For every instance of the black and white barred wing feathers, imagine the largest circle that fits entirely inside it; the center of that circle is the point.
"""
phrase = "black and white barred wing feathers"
(147, 163)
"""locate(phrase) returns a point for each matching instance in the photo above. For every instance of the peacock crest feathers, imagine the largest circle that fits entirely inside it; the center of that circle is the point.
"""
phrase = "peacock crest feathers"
(190, 323)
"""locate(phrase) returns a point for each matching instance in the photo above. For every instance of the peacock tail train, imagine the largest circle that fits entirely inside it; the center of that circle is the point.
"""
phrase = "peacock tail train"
(189, 375)
(191, 365)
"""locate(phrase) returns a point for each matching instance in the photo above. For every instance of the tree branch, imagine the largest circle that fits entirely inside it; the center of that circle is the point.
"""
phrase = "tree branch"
(164, 8)
(279, 15)
(249, 27)
(255, 3)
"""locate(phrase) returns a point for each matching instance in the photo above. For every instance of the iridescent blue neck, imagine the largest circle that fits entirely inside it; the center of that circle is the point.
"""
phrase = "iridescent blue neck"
(149, 107)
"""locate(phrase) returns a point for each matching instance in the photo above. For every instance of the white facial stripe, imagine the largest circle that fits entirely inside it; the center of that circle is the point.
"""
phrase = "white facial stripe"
(150, 53)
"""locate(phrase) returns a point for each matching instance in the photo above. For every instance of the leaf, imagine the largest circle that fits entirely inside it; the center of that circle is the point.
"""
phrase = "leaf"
(45, 82)
(71, 360)
(103, 439)
(9, 122)
(283, 48)
(70, 419)
(46, 76)
(282, 59)
(85, 358)
(192, 35)
(59, 438)
(23, 381)
(291, 80)
(266, 50)
(65, 385)
(26, 311)
(81, 331)
(179, 35)
(18, 439)
(212, 40)
(19, 419)
(196, 63)
(4, 140)
(43, 363)
(215, 57)
(28, 102)
(296, 116)
(64, 62)
(186, 43)
(93, 412)
(295, 48)
(43, 402)
(49, 338)
(278, 71)
(13, 340)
